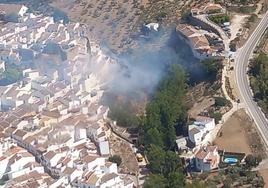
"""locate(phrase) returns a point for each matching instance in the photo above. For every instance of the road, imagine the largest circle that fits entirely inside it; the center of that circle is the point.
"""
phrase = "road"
(241, 65)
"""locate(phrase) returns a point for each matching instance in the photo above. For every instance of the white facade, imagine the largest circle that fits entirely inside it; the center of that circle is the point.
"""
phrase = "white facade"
(22, 11)
(207, 158)
(200, 130)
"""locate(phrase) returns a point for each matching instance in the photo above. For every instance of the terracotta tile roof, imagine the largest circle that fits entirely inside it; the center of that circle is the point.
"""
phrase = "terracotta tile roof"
(89, 158)
(9, 130)
(92, 179)
(4, 124)
(52, 114)
(194, 131)
(20, 133)
(68, 171)
(108, 176)
(49, 155)
(186, 30)
(204, 152)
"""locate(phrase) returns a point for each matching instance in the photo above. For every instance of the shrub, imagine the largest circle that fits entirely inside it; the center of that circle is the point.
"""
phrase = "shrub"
(252, 161)
(220, 19)
(217, 116)
(115, 159)
(220, 101)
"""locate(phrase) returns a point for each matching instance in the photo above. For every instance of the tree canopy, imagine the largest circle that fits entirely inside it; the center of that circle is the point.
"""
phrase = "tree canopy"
(259, 80)
(115, 159)
(166, 110)
(165, 113)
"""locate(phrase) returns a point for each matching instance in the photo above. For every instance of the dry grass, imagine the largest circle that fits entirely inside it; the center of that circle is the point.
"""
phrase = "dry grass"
(239, 134)
(109, 20)
(123, 149)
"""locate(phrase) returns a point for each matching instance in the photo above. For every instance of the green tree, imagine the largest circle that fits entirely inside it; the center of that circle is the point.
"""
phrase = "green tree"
(196, 184)
(153, 136)
(212, 67)
(176, 180)
(252, 161)
(220, 101)
(123, 117)
(155, 181)
(227, 183)
(115, 159)
(156, 157)
(166, 109)
(10, 75)
(172, 163)
(164, 113)
(216, 115)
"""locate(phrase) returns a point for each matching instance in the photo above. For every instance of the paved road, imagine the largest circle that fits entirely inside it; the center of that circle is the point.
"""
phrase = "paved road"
(241, 64)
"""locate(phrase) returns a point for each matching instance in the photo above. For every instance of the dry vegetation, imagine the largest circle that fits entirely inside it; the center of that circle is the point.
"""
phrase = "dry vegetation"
(110, 20)
(116, 21)
(123, 149)
(239, 134)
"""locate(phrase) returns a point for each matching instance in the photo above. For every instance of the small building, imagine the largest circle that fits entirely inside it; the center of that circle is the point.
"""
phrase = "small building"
(104, 148)
(196, 40)
(195, 135)
(200, 130)
(207, 158)
(181, 143)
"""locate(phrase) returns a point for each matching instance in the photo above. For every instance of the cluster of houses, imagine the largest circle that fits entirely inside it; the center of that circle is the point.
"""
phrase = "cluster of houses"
(53, 130)
(199, 153)
(203, 37)
(204, 44)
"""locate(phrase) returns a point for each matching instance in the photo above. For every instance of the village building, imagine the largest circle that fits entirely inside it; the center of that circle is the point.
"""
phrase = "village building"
(199, 132)
(207, 158)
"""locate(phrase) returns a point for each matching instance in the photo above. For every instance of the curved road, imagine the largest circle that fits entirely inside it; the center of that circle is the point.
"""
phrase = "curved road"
(241, 64)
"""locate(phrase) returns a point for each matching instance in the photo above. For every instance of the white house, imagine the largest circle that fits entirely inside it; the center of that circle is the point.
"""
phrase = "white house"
(26, 169)
(3, 164)
(199, 132)
(207, 122)
(17, 163)
(94, 130)
(109, 167)
(52, 158)
(93, 161)
(181, 143)
(19, 135)
(195, 134)
(207, 158)
(80, 132)
(32, 74)
(104, 148)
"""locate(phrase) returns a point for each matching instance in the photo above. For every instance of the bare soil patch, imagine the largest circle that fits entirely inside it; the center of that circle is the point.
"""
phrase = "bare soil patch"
(247, 32)
(124, 150)
(239, 134)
